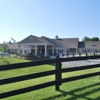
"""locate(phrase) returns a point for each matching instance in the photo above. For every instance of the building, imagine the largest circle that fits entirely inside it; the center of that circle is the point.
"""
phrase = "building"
(44, 45)
(11, 48)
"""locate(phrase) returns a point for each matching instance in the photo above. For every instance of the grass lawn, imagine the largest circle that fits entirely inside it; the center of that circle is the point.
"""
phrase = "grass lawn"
(84, 89)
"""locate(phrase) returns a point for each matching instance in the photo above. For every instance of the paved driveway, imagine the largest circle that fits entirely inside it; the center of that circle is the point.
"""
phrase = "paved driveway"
(81, 63)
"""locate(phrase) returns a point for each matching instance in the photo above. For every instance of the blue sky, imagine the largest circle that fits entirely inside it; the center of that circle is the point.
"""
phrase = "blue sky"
(65, 18)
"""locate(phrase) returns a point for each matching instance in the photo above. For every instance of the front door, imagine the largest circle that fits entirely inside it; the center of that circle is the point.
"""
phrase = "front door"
(32, 51)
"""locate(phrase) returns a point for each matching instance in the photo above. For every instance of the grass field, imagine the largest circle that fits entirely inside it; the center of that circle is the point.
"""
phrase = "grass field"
(84, 89)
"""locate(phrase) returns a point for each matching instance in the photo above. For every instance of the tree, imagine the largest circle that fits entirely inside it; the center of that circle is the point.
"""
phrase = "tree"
(86, 39)
(4, 42)
(95, 39)
(90, 39)
(3, 48)
(10, 42)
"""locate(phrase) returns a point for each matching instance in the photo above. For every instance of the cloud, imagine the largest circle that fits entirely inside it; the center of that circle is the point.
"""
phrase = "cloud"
(28, 3)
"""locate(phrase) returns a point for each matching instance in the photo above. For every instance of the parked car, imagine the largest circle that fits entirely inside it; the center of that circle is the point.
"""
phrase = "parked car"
(0, 52)
(5, 53)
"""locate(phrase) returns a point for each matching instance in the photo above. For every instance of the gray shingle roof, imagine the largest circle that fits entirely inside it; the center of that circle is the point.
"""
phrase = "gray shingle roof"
(13, 46)
(35, 40)
(69, 42)
(53, 41)
(64, 42)
(90, 44)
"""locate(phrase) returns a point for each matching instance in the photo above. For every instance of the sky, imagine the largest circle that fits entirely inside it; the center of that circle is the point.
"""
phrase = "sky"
(65, 18)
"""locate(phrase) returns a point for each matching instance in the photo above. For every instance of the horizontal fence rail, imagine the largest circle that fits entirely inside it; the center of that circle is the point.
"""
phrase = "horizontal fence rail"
(57, 72)
(79, 58)
(26, 77)
(80, 77)
(80, 68)
(26, 64)
(28, 89)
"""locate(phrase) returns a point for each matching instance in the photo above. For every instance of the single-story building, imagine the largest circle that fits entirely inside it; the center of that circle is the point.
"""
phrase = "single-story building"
(47, 46)
(11, 47)
(89, 46)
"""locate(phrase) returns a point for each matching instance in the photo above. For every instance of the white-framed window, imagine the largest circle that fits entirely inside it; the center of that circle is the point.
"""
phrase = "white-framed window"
(31, 38)
(87, 50)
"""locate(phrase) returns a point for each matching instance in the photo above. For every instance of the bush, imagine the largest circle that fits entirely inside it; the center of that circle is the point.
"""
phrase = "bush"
(22, 55)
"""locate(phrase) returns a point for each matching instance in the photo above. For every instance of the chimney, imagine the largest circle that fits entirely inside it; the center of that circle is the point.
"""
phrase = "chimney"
(56, 36)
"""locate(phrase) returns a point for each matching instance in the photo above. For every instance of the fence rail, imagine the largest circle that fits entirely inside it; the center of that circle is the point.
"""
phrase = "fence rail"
(57, 72)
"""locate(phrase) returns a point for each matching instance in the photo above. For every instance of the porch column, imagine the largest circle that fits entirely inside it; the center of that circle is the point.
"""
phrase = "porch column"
(10, 51)
(27, 49)
(18, 48)
(22, 51)
(76, 50)
(80, 50)
(35, 50)
(56, 50)
(98, 50)
(53, 49)
(65, 51)
(45, 54)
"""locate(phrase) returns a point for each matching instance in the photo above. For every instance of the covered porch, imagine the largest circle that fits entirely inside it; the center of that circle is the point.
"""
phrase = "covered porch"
(37, 49)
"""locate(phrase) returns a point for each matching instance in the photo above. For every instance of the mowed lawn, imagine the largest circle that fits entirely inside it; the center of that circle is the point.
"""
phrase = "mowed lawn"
(84, 89)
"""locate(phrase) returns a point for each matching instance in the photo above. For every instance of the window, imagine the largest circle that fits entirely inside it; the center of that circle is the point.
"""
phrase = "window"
(92, 44)
(31, 38)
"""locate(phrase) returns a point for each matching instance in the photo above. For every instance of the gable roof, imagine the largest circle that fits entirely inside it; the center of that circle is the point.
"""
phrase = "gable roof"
(64, 42)
(34, 40)
(90, 44)
(53, 41)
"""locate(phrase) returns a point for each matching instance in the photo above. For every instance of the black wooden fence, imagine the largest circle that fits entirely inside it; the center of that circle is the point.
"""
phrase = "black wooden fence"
(57, 72)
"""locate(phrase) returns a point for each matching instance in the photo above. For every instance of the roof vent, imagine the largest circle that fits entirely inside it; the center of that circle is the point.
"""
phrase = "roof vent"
(31, 38)
(92, 44)
(56, 36)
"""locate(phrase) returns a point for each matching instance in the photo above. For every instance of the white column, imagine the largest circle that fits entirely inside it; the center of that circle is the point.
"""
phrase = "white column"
(22, 51)
(53, 49)
(35, 50)
(27, 49)
(65, 51)
(76, 50)
(45, 54)
(10, 50)
(18, 48)
(80, 50)
(56, 50)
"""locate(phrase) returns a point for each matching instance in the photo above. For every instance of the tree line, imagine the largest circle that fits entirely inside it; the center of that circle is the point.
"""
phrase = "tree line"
(86, 38)
(2, 48)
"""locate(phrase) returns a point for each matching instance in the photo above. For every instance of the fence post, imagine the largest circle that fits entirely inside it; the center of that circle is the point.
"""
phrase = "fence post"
(79, 54)
(86, 54)
(58, 73)
(67, 54)
(2, 55)
(99, 72)
(73, 54)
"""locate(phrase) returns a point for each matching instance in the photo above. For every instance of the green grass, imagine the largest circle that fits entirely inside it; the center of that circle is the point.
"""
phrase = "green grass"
(84, 89)
(10, 60)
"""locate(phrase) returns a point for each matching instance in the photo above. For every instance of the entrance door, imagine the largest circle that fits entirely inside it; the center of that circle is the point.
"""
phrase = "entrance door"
(32, 51)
